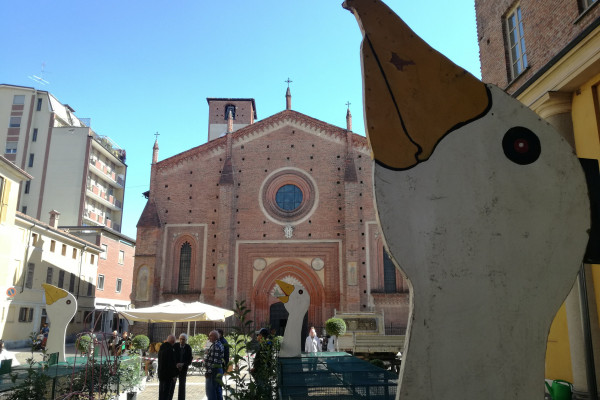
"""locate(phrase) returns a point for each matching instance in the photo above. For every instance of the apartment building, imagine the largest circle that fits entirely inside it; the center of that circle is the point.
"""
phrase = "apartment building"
(115, 275)
(75, 171)
(31, 253)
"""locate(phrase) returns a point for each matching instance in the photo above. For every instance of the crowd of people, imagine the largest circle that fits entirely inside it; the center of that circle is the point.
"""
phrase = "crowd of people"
(174, 359)
(118, 344)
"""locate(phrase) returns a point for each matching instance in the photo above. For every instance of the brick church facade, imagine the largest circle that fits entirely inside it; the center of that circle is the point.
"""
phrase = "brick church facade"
(288, 196)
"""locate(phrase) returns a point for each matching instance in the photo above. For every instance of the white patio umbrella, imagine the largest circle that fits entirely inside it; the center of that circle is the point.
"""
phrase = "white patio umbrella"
(178, 311)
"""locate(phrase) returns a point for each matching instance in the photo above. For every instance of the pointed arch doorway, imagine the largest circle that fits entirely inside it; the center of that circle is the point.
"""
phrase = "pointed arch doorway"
(278, 317)
(270, 310)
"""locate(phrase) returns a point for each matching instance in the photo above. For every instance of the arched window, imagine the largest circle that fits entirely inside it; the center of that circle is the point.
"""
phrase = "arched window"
(389, 273)
(185, 261)
(229, 109)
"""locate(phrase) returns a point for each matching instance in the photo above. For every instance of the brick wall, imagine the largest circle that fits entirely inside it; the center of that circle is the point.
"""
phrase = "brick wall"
(548, 27)
(230, 229)
(112, 269)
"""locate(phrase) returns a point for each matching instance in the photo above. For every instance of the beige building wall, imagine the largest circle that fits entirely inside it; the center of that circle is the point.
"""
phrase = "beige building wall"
(10, 260)
(47, 255)
(76, 171)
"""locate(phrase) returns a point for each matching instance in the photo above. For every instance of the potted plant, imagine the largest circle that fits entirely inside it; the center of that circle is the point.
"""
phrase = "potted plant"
(335, 327)
(140, 343)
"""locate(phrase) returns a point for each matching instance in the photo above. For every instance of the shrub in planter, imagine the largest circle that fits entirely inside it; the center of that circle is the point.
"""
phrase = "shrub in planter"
(140, 342)
(197, 343)
(378, 363)
(84, 343)
(335, 326)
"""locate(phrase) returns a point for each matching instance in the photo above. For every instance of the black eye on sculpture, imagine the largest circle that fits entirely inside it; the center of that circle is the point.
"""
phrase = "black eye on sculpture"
(521, 145)
(68, 301)
(300, 291)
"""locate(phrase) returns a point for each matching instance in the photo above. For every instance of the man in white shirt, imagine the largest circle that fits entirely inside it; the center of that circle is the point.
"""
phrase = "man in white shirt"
(313, 343)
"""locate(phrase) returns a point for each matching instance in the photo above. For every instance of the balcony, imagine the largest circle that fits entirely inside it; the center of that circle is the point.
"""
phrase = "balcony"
(105, 172)
(107, 200)
(110, 146)
(100, 219)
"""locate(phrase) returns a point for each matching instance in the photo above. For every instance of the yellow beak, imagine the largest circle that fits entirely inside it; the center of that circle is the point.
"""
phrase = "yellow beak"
(413, 95)
(287, 289)
(53, 293)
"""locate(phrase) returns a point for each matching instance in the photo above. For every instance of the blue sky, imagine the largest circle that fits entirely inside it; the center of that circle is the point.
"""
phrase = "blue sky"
(140, 67)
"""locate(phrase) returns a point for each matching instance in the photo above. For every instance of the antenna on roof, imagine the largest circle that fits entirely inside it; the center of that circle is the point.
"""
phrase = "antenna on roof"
(40, 79)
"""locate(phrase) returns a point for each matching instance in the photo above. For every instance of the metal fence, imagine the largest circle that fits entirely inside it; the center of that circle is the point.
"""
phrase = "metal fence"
(158, 332)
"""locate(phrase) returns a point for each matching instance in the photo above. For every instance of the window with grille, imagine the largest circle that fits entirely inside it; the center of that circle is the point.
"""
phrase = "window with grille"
(14, 122)
(49, 274)
(11, 148)
(101, 282)
(30, 272)
(119, 284)
(389, 274)
(72, 283)
(25, 314)
(516, 42)
(61, 279)
(185, 260)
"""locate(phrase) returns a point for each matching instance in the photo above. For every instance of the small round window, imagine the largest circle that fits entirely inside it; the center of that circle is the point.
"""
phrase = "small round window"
(289, 197)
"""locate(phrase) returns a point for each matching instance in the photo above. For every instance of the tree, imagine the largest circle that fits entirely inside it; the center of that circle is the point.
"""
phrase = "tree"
(335, 327)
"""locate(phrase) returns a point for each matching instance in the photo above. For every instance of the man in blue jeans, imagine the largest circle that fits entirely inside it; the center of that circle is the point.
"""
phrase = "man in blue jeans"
(213, 360)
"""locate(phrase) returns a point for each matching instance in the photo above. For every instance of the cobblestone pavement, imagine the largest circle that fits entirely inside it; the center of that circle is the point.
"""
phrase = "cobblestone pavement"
(194, 389)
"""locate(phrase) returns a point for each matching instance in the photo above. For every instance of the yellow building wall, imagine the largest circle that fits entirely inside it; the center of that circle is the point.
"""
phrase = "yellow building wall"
(586, 119)
(558, 353)
(585, 114)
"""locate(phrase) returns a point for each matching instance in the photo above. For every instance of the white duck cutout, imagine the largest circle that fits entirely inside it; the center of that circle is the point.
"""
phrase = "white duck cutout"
(60, 307)
(296, 301)
(483, 206)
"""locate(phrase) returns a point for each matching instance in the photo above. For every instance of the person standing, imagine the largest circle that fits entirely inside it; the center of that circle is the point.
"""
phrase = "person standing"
(45, 331)
(183, 359)
(213, 359)
(167, 369)
(312, 343)
(114, 343)
(225, 350)
(331, 343)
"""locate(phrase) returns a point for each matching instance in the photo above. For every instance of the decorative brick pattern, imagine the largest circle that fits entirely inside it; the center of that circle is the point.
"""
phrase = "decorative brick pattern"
(231, 229)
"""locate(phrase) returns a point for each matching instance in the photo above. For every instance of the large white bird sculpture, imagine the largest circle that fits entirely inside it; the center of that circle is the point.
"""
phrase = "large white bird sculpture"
(484, 207)
(296, 301)
(60, 307)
